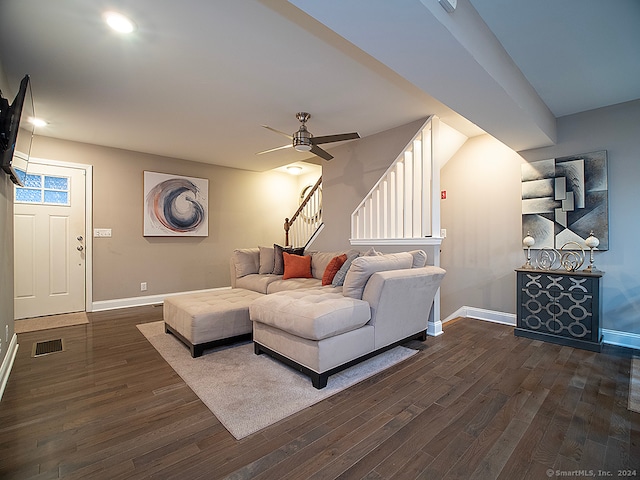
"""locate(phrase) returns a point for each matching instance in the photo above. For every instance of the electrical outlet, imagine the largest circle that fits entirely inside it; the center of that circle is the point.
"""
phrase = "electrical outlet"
(143, 287)
(443, 233)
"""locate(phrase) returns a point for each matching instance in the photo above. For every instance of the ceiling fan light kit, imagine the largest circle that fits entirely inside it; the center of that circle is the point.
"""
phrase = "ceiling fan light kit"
(303, 141)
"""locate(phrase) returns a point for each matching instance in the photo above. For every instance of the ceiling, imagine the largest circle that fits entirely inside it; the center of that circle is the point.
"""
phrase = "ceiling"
(198, 78)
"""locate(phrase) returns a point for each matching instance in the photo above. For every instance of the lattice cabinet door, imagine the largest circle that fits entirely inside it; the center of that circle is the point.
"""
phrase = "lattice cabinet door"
(560, 307)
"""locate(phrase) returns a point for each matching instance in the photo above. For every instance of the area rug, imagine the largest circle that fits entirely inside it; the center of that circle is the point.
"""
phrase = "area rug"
(249, 392)
(634, 385)
(52, 321)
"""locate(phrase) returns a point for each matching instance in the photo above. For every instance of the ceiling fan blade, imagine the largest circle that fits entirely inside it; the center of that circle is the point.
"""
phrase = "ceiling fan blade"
(278, 131)
(274, 149)
(335, 138)
(321, 153)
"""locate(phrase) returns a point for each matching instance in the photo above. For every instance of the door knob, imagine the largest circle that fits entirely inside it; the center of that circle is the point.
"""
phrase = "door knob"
(80, 238)
(80, 248)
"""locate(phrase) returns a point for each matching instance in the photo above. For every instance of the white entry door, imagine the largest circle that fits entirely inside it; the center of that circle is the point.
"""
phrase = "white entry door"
(49, 242)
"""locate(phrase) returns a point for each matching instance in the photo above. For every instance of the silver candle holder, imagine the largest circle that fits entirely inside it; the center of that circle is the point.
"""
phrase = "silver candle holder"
(592, 242)
(528, 242)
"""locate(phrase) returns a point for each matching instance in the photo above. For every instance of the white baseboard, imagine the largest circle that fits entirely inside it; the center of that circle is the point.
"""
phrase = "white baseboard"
(621, 339)
(482, 314)
(7, 363)
(434, 329)
(612, 337)
(140, 301)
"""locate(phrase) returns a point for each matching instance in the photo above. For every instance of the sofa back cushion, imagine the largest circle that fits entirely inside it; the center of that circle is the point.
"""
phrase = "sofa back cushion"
(419, 258)
(320, 260)
(363, 267)
(266, 260)
(246, 261)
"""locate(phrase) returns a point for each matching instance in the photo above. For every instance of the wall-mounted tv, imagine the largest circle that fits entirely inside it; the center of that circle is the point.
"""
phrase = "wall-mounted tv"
(16, 132)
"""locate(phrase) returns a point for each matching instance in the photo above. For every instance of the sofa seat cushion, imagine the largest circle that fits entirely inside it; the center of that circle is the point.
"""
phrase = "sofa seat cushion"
(313, 314)
(292, 284)
(256, 282)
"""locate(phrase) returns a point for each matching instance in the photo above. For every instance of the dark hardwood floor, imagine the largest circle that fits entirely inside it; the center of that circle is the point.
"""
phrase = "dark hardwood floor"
(476, 402)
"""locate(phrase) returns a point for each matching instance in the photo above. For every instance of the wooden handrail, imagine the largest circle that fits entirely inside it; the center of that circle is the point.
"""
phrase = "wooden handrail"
(289, 222)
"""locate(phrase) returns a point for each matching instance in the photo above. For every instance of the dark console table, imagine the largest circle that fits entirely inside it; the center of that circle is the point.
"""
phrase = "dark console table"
(560, 307)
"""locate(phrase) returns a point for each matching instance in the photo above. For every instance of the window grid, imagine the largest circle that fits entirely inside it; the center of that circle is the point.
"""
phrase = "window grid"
(43, 189)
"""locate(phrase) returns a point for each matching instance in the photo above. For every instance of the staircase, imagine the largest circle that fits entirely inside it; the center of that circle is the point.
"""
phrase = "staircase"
(403, 206)
(306, 223)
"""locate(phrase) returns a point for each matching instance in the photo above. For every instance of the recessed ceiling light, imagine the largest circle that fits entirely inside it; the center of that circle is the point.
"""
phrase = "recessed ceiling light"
(119, 22)
(294, 169)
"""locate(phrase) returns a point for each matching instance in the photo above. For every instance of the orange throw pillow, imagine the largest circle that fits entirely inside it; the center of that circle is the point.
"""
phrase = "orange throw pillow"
(332, 268)
(296, 266)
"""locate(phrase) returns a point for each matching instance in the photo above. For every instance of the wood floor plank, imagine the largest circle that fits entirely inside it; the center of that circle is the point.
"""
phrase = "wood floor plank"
(476, 402)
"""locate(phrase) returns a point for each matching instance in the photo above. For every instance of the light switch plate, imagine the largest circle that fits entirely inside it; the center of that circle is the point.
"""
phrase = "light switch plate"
(101, 232)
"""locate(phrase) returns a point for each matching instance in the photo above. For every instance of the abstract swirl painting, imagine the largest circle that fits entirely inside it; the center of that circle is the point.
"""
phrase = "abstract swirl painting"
(175, 205)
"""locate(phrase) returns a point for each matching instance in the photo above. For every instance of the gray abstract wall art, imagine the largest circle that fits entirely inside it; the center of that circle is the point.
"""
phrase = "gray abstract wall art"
(564, 199)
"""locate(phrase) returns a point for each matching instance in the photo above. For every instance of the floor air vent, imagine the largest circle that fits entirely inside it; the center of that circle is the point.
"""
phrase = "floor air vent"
(45, 348)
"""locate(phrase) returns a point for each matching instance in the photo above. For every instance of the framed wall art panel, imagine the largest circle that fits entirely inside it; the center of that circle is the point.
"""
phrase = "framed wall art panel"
(175, 205)
(565, 199)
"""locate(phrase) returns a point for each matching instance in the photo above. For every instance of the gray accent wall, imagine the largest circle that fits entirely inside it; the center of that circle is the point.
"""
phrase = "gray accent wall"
(246, 209)
(615, 129)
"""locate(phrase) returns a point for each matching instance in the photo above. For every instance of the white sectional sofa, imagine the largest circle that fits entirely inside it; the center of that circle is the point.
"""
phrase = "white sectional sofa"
(373, 302)
(384, 301)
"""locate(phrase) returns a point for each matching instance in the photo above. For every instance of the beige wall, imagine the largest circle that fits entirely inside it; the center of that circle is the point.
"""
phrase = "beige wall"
(6, 263)
(483, 220)
(482, 216)
(6, 248)
(245, 209)
(481, 213)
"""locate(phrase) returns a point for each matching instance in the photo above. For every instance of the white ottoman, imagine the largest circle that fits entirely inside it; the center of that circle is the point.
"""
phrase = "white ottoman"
(208, 319)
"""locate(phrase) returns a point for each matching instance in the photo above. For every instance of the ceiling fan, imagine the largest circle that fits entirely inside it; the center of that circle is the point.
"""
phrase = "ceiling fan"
(304, 141)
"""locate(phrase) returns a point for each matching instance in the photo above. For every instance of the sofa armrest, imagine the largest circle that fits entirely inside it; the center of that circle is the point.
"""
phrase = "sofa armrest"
(400, 301)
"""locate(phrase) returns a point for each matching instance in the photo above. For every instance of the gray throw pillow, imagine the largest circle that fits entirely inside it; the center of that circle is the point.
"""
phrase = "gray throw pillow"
(338, 279)
(278, 261)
